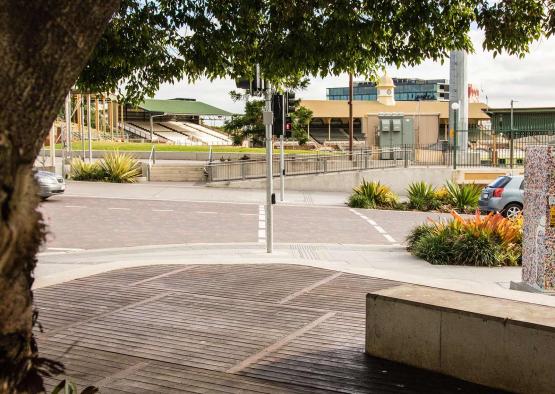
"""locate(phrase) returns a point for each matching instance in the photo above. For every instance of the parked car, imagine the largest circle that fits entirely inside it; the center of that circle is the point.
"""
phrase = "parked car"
(504, 195)
(49, 183)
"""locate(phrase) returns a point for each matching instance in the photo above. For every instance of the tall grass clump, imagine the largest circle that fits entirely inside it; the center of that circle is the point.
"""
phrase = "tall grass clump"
(463, 198)
(114, 167)
(372, 195)
(422, 196)
(120, 167)
(485, 241)
(82, 171)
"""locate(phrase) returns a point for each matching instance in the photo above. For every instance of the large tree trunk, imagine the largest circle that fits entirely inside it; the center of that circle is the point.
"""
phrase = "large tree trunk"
(43, 47)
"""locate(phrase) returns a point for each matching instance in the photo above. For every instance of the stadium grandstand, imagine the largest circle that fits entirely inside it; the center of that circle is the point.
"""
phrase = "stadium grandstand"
(176, 121)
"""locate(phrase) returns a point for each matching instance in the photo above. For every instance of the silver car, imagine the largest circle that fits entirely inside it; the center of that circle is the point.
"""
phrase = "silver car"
(49, 184)
(504, 195)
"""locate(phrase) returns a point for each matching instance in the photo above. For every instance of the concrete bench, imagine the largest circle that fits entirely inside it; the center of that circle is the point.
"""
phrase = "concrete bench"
(495, 342)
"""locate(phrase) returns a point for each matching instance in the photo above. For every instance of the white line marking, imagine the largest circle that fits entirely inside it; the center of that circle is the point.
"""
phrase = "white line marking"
(119, 209)
(389, 238)
(248, 214)
(74, 206)
(379, 229)
(162, 210)
(261, 224)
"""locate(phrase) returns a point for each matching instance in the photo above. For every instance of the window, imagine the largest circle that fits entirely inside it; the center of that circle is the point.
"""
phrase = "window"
(385, 125)
(500, 182)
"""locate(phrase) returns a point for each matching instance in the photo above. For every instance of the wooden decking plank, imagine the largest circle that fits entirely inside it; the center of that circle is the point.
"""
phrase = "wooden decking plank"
(277, 345)
(175, 328)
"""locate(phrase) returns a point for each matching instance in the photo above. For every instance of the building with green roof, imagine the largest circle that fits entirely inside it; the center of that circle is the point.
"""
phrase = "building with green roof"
(180, 109)
(180, 106)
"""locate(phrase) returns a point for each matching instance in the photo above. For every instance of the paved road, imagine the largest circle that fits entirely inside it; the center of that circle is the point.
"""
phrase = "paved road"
(94, 223)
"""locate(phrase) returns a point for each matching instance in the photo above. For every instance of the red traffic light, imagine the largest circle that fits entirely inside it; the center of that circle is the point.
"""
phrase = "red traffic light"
(287, 126)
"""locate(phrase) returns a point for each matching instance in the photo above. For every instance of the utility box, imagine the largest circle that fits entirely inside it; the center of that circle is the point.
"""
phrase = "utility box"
(395, 132)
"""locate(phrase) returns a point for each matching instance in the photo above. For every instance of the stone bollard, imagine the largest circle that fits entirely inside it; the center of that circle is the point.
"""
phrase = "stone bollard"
(538, 243)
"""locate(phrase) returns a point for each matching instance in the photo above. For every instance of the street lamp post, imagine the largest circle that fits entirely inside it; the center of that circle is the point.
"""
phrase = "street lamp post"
(455, 108)
(152, 125)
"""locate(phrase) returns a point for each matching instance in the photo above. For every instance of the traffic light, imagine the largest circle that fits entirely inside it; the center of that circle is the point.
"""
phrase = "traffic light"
(277, 109)
(292, 104)
(288, 127)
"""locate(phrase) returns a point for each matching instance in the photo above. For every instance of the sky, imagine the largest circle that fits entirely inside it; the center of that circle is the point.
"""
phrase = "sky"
(529, 81)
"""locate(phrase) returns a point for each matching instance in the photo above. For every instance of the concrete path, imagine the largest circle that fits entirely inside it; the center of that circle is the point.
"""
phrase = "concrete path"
(381, 261)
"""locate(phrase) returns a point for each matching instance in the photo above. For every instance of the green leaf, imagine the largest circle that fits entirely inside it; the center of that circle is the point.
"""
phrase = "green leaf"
(150, 43)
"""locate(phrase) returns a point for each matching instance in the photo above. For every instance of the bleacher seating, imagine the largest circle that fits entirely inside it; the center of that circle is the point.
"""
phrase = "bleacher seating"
(338, 132)
(146, 126)
(163, 133)
(176, 138)
(198, 133)
(224, 138)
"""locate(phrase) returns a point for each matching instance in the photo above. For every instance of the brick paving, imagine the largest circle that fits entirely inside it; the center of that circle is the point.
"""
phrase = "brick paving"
(223, 329)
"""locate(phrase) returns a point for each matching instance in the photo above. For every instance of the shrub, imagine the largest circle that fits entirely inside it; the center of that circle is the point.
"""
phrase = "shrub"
(375, 194)
(358, 201)
(442, 195)
(82, 171)
(120, 167)
(464, 198)
(417, 233)
(490, 240)
(422, 196)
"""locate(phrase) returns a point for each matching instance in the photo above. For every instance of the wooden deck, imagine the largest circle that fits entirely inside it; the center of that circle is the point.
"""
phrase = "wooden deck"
(222, 329)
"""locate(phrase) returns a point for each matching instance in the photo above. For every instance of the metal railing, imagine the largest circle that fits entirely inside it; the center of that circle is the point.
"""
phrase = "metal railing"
(485, 148)
(490, 148)
(326, 162)
(151, 160)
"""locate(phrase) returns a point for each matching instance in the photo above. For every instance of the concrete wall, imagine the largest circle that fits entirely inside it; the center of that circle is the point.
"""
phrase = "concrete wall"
(426, 128)
(499, 343)
(397, 178)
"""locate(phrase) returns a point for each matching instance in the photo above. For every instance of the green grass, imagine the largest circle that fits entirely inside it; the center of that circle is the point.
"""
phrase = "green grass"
(140, 147)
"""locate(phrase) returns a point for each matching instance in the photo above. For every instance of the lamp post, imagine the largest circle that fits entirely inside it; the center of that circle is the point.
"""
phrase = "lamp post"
(152, 125)
(455, 108)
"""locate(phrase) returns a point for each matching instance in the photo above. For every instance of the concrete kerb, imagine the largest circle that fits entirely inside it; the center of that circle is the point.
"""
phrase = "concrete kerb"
(250, 254)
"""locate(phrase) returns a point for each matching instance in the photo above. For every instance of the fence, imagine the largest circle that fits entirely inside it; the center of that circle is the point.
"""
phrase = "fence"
(312, 164)
(485, 149)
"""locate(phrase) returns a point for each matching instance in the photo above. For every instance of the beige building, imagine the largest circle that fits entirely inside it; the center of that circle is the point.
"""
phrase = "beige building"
(430, 119)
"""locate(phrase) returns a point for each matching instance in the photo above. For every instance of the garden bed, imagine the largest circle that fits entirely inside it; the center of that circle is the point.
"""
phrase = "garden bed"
(486, 241)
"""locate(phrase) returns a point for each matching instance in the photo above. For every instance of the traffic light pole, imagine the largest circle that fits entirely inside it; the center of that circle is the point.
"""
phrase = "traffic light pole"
(268, 119)
(282, 153)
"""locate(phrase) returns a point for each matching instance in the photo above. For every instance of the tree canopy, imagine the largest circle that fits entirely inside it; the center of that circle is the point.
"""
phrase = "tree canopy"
(249, 125)
(151, 42)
